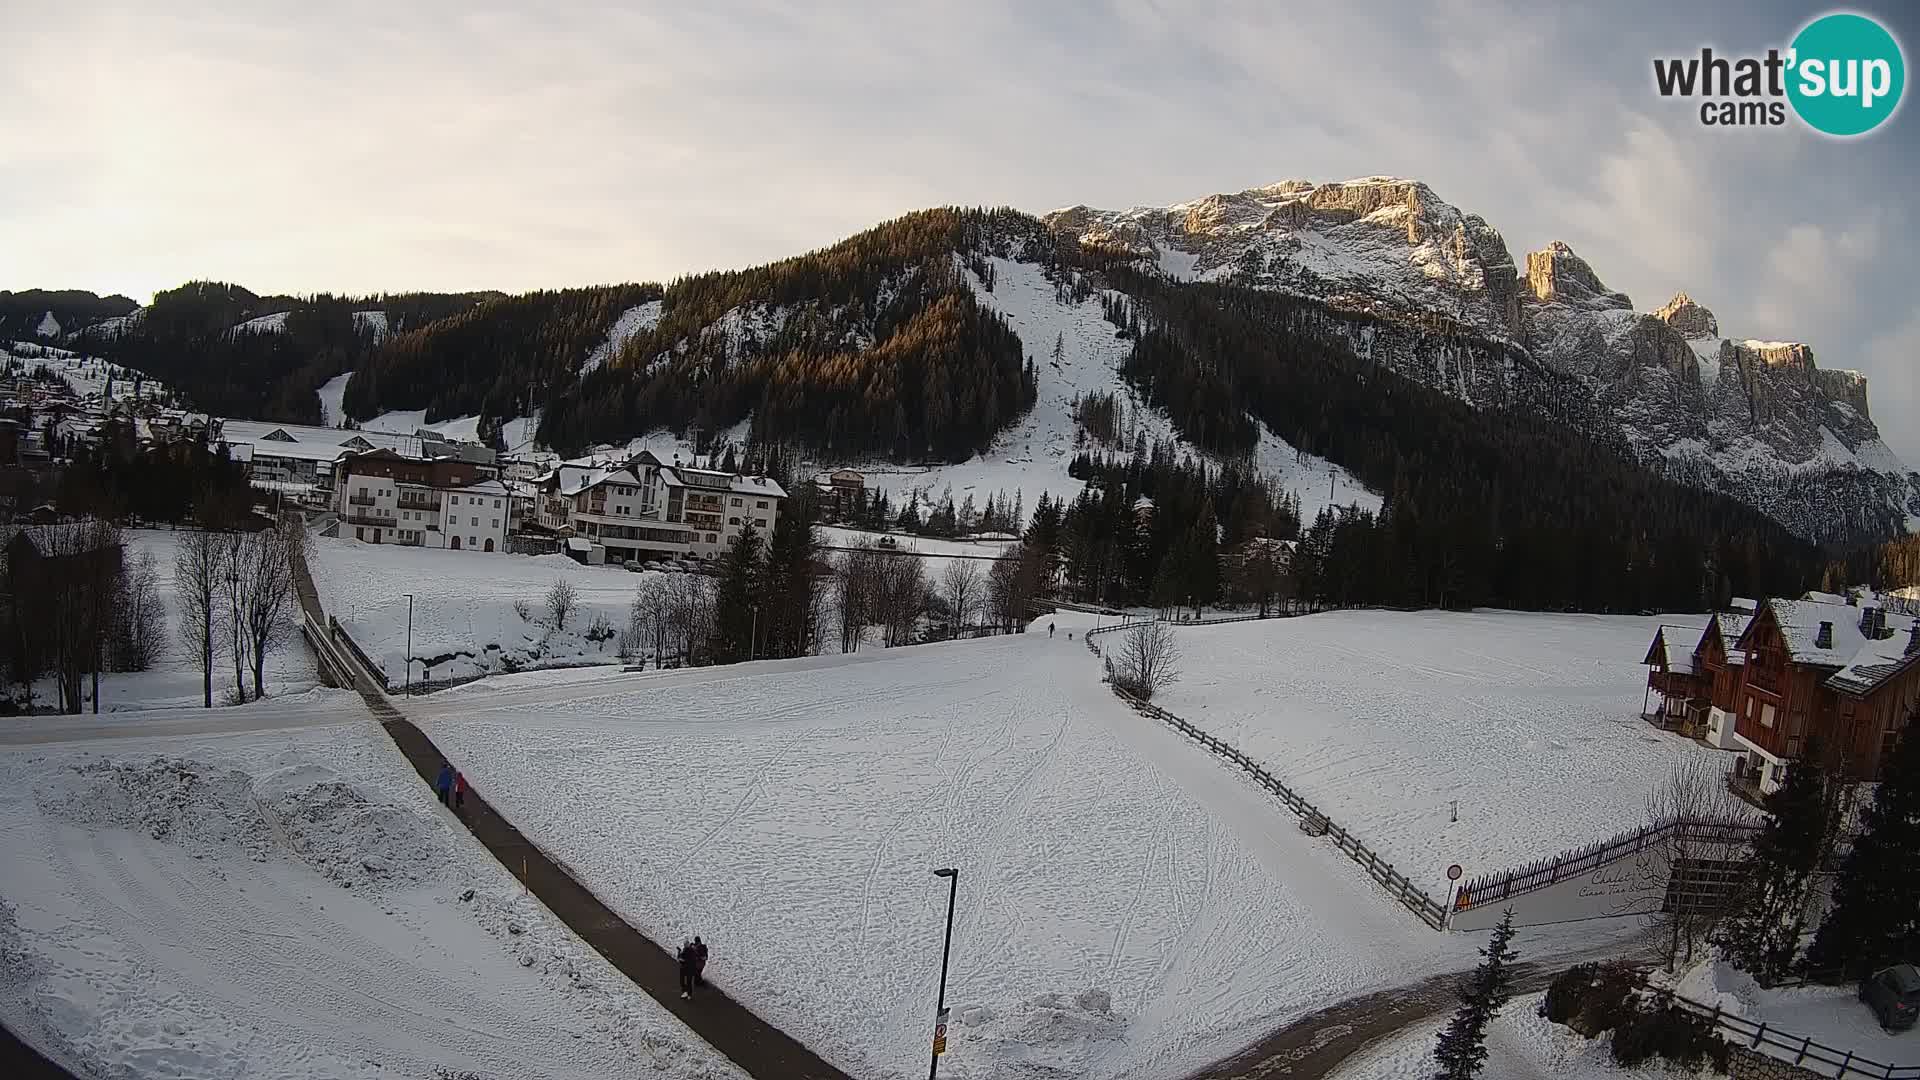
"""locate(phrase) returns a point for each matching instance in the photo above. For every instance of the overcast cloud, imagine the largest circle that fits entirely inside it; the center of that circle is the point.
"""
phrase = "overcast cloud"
(362, 148)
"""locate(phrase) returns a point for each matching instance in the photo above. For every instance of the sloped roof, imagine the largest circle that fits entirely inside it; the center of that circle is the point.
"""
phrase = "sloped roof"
(1671, 648)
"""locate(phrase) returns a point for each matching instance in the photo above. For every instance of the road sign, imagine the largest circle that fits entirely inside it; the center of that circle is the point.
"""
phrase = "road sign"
(1453, 872)
(940, 1033)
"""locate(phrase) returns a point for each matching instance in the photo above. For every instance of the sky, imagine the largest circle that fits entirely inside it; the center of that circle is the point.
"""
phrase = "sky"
(361, 148)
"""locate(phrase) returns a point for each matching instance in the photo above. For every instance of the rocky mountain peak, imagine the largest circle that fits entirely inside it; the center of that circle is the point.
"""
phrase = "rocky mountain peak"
(1558, 276)
(1693, 321)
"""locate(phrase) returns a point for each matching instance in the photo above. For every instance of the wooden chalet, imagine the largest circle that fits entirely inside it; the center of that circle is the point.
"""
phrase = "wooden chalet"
(1673, 675)
(1839, 668)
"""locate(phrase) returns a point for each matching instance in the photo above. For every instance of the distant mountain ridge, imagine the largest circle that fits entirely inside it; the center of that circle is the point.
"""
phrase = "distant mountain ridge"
(893, 344)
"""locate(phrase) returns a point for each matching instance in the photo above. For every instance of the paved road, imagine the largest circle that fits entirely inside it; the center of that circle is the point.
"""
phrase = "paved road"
(18, 1061)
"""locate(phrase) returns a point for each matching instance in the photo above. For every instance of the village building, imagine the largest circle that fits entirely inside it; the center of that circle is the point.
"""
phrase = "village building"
(299, 458)
(383, 497)
(644, 509)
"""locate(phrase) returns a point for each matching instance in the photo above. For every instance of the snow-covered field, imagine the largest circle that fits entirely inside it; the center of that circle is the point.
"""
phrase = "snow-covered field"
(174, 681)
(464, 622)
(1125, 908)
(1832, 1015)
(935, 554)
(1384, 719)
(88, 375)
(289, 904)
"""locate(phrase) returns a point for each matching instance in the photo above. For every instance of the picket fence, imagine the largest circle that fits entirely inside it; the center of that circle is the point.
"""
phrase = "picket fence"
(1501, 886)
(1312, 820)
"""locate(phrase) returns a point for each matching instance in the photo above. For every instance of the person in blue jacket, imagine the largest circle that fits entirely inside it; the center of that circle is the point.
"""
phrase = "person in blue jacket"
(443, 784)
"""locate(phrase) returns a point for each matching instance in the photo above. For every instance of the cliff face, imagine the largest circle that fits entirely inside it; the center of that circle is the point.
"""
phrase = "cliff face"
(1759, 420)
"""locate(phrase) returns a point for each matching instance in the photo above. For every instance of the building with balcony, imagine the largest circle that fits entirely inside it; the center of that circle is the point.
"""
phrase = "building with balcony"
(383, 497)
(644, 509)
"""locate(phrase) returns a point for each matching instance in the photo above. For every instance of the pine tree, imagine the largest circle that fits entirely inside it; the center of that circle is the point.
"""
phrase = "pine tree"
(736, 608)
(1763, 937)
(1875, 918)
(1463, 1046)
(788, 595)
(1199, 567)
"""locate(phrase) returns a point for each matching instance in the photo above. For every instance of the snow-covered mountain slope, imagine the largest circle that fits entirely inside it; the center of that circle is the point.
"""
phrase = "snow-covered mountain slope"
(1754, 419)
(331, 392)
(88, 375)
(633, 321)
(275, 323)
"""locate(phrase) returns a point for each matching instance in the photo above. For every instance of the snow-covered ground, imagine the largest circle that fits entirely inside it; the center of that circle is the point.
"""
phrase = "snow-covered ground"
(464, 622)
(1833, 1015)
(935, 554)
(331, 392)
(1384, 719)
(1126, 907)
(289, 904)
(408, 421)
(635, 320)
(88, 375)
(1521, 1045)
(174, 681)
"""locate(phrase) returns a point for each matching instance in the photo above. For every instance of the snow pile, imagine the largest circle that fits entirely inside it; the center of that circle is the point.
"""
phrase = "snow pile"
(180, 907)
(790, 812)
(1832, 1015)
(465, 622)
(1520, 1043)
(1529, 722)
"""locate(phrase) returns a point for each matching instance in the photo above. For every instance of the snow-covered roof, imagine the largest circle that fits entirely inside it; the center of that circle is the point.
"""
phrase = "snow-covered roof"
(1731, 629)
(1876, 662)
(308, 443)
(483, 487)
(758, 485)
(1743, 604)
(1672, 648)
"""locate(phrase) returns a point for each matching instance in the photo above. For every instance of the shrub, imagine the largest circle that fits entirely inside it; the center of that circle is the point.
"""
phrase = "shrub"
(524, 610)
(1590, 998)
(599, 629)
(1670, 1033)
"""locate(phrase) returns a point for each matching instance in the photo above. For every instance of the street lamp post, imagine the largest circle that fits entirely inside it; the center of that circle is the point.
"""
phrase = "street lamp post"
(940, 1008)
(409, 643)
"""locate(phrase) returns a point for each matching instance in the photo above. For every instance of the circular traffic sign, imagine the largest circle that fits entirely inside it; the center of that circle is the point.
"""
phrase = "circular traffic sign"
(1453, 872)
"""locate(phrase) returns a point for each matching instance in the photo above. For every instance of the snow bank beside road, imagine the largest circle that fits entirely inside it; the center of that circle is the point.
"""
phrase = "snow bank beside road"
(291, 905)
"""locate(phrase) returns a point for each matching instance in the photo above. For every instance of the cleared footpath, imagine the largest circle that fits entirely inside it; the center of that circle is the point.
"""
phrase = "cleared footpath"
(757, 1047)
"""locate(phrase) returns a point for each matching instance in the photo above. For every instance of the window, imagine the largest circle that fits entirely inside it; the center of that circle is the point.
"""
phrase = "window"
(712, 539)
(1766, 716)
(475, 522)
(454, 499)
(362, 492)
(472, 540)
(760, 523)
(733, 521)
(496, 523)
(736, 502)
(496, 504)
(359, 533)
(761, 505)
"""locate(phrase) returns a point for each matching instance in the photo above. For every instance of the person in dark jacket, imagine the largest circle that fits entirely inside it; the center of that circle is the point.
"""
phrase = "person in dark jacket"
(689, 968)
(459, 791)
(699, 961)
(443, 784)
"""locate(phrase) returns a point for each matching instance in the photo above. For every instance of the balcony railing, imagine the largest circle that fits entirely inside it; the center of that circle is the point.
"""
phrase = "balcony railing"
(416, 503)
(385, 522)
(360, 500)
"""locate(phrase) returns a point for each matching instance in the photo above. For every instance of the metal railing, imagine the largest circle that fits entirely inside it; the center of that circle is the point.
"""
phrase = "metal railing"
(1504, 885)
(1762, 1038)
(360, 500)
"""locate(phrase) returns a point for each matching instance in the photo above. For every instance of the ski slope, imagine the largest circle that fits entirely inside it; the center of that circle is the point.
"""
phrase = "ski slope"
(289, 904)
(1384, 719)
(88, 375)
(1032, 456)
(1125, 907)
(332, 392)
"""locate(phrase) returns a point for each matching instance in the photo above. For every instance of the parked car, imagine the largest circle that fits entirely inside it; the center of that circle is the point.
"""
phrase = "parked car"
(1894, 996)
(888, 542)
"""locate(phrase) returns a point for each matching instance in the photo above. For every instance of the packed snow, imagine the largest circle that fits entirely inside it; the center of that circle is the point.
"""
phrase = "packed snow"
(49, 326)
(332, 393)
(375, 321)
(634, 321)
(1126, 908)
(275, 323)
(174, 680)
(290, 904)
(517, 434)
(464, 621)
(1832, 1015)
(935, 554)
(1521, 1045)
(1530, 722)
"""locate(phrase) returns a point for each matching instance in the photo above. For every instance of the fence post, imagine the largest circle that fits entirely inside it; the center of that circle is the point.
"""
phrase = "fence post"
(1805, 1042)
(1758, 1034)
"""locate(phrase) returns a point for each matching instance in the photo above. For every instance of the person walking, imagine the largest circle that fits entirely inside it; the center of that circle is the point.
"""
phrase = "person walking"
(1049, 630)
(689, 968)
(699, 961)
(459, 791)
(443, 784)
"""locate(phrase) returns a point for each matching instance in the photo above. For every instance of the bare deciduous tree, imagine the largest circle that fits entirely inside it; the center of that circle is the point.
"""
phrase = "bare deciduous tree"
(141, 630)
(1692, 880)
(1012, 584)
(265, 570)
(900, 598)
(198, 567)
(68, 600)
(960, 585)
(1148, 659)
(562, 599)
(855, 585)
(688, 614)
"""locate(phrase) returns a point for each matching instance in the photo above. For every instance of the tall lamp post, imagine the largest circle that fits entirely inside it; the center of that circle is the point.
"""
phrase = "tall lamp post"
(409, 643)
(940, 1009)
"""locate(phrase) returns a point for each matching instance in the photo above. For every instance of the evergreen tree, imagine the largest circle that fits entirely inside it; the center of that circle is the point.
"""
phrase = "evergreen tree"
(1763, 937)
(736, 605)
(1199, 568)
(1875, 918)
(789, 597)
(1463, 1045)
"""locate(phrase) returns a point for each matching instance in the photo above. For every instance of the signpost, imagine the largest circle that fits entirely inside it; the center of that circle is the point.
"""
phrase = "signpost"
(940, 1032)
(1453, 891)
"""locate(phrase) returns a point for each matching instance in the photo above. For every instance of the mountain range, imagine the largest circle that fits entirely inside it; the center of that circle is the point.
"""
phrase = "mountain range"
(971, 342)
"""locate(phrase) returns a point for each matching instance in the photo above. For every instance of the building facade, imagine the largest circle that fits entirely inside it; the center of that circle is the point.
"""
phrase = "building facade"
(645, 509)
(383, 497)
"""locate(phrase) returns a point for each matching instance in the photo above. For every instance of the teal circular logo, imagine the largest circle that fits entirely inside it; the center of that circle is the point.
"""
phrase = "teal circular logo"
(1846, 74)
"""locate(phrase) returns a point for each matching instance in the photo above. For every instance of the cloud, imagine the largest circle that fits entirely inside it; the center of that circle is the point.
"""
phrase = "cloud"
(1892, 360)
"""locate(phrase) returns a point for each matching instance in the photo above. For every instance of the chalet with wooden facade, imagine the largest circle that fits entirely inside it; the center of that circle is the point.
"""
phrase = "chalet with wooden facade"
(1840, 668)
(1677, 695)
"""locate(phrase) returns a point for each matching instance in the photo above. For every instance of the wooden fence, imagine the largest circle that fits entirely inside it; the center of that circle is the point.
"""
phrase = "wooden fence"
(1798, 1050)
(1312, 820)
(1502, 886)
